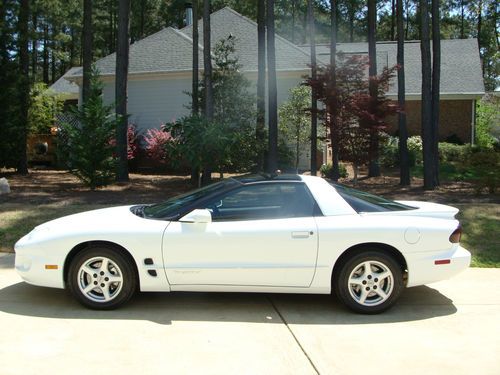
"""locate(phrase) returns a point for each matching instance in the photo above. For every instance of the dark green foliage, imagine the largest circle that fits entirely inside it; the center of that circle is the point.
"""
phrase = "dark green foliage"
(485, 164)
(89, 139)
(327, 171)
(228, 142)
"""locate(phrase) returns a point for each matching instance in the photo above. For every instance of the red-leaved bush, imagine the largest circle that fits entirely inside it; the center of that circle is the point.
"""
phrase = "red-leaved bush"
(132, 142)
(155, 140)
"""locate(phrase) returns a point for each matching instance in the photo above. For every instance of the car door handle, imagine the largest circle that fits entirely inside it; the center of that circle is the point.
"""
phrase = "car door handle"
(302, 234)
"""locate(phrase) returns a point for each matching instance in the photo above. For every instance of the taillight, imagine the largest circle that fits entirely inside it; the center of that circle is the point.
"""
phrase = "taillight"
(456, 235)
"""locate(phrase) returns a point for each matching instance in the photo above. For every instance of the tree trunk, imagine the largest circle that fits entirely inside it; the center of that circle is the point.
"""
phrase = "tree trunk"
(479, 27)
(261, 82)
(24, 83)
(351, 23)
(294, 6)
(52, 56)
(207, 63)
(436, 73)
(45, 67)
(196, 70)
(393, 19)
(143, 17)
(426, 116)
(462, 19)
(314, 103)
(404, 163)
(333, 64)
(34, 49)
(87, 48)
(195, 172)
(373, 167)
(272, 164)
(122, 58)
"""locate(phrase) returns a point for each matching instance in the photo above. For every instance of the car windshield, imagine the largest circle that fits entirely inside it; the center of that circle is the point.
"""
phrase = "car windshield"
(361, 201)
(171, 207)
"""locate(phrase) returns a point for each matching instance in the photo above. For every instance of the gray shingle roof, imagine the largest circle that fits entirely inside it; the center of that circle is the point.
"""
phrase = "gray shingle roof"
(170, 50)
(460, 64)
(63, 86)
(226, 21)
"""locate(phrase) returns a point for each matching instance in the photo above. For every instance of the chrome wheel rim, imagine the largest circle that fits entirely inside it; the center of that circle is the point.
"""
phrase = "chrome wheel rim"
(371, 283)
(100, 279)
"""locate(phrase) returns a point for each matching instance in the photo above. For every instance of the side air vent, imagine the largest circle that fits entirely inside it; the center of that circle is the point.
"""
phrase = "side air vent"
(148, 261)
(152, 273)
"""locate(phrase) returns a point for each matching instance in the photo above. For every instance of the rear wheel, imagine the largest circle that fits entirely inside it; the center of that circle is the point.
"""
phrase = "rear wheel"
(102, 278)
(369, 282)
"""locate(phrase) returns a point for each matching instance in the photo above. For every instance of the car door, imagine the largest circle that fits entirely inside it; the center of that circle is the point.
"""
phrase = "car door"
(261, 234)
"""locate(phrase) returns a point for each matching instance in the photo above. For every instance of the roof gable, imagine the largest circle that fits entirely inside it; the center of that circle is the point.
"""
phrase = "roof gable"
(226, 21)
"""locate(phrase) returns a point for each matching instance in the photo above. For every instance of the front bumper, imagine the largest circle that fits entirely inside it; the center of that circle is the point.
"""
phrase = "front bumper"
(36, 267)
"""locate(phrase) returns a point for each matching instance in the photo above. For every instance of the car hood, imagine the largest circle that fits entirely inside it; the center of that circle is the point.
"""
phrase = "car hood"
(113, 217)
(429, 209)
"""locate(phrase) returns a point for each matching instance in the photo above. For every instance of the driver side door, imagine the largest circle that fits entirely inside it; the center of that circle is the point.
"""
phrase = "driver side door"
(261, 235)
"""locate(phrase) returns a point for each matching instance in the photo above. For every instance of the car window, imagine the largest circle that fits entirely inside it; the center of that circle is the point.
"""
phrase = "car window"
(263, 201)
(177, 203)
(361, 201)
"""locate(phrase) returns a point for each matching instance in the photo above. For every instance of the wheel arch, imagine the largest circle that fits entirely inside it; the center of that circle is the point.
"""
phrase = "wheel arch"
(111, 245)
(373, 246)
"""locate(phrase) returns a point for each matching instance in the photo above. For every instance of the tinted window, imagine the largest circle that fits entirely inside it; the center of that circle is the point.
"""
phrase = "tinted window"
(172, 206)
(366, 202)
(263, 201)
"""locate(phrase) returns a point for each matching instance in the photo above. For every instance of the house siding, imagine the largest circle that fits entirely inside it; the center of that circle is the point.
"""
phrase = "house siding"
(455, 119)
(154, 101)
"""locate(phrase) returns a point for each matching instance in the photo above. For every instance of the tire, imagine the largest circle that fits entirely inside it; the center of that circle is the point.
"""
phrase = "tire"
(102, 278)
(369, 282)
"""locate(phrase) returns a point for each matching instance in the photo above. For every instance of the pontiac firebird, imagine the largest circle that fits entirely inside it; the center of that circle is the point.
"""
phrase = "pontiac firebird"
(276, 234)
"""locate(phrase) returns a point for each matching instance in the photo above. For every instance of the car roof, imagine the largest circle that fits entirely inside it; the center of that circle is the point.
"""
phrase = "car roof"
(263, 177)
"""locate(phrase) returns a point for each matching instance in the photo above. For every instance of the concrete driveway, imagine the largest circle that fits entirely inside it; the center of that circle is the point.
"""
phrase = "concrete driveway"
(452, 327)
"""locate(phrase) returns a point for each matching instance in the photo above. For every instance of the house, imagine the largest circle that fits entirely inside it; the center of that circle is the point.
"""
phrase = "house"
(461, 83)
(160, 71)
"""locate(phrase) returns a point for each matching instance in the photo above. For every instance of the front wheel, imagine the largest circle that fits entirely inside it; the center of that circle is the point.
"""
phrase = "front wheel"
(102, 278)
(369, 282)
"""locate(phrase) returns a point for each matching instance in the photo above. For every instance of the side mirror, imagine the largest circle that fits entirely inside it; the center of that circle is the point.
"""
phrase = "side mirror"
(197, 216)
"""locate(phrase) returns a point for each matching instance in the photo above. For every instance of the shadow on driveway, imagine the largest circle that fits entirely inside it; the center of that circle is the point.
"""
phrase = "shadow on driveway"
(417, 303)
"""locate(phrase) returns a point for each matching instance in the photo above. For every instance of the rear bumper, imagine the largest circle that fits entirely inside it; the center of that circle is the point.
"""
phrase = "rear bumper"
(422, 268)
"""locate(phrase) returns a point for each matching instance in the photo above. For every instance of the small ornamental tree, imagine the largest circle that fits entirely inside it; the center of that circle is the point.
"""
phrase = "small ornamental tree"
(357, 114)
(228, 142)
(89, 146)
(295, 121)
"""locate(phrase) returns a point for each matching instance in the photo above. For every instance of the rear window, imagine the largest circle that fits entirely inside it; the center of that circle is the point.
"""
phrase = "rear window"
(361, 201)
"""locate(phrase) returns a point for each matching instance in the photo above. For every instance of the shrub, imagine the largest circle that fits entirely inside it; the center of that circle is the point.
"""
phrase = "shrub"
(487, 123)
(156, 142)
(327, 171)
(44, 108)
(389, 151)
(132, 142)
(484, 165)
(88, 147)
(453, 153)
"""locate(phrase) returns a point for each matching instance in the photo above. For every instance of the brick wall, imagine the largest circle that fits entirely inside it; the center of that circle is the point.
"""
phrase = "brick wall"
(455, 118)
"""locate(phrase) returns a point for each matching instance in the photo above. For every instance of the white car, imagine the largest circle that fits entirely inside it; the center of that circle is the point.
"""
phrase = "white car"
(276, 234)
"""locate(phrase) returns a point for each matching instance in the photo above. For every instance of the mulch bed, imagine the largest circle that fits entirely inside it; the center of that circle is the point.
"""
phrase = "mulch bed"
(51, 186)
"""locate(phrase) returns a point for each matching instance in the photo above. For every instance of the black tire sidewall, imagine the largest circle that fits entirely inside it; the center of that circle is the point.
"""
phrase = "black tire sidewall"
(129, 277)
(341, 287)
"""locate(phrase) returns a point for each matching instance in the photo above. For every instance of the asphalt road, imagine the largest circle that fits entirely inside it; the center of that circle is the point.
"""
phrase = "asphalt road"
(451, 327)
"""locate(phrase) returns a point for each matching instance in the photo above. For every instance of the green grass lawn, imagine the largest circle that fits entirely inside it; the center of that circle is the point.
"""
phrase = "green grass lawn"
(480, 222)
(481, 235)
